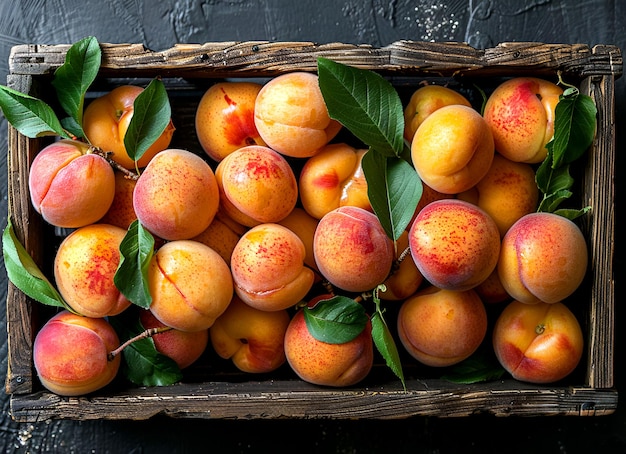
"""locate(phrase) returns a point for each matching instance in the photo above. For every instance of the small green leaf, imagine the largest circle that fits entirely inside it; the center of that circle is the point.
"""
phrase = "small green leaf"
(480, 367)
(131, 277)
(336, 320)
(151, 115)
(365, 103)
(74, 77)
(32, 117)
(24, 273)
(550, 180)
(386, 346)
(571, 213)
(394, 190)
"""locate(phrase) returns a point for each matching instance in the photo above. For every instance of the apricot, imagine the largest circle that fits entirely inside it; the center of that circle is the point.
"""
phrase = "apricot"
(291, 115)
(84, 267)
(190, 284)
(406, 278)
(121, 212)
(304, 225)
(71, 354)
(520, 114)
(424, 101)
(454, 244)
(106, 120)
(491, 290)
(352, 250)
(220, 237)
(224, 118)
(253, 339)
(256, 185)
(538, 343)
(507, 192)
(333, 178)
(70, 186)
(325, 364)
(452, 149)
(268, 269)
(176, 197)
(543, 258)
(442, 327)
(184, 348)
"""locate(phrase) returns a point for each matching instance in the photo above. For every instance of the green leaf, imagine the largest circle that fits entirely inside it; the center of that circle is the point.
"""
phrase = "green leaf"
(336, 320)
(480, 367)
(365, 103)
(74, 77)
(571, 213)
(551, 202)
(32, 117)
(385, 344)
(131, 277)
(550, 180)
(394, 190)
(24, 273)
(151, 115)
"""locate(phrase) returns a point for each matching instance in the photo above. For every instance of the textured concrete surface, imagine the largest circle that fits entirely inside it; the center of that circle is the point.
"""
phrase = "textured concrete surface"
(160, 24)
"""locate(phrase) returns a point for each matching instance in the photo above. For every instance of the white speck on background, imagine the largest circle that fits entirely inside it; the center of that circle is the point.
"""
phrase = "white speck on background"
(434, 21)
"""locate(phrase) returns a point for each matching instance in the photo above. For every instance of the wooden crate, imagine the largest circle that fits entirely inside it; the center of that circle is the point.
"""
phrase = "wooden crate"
(188, 70)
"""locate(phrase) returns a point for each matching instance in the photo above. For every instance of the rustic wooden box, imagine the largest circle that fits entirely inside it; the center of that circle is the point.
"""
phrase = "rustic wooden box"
(187, 71)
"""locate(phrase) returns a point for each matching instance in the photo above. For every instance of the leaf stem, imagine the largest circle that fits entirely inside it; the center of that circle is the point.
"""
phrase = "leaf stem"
(143, 335)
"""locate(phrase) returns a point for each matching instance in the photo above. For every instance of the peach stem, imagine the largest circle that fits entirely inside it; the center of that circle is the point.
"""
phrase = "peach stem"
(144, 335)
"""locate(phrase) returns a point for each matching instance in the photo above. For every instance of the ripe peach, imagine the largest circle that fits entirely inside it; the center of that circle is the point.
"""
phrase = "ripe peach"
(538, 343)
(520, 113)
(190, 284)
(252, 338)
(225, 118)
(69, 186)
(106, 120)
(121, 213)
(506, 193)
(452, 149)
(442, 327)
(84, 267)
(185, 348)
(176, 196)
(256, 185)
(268, 268)
(304, 225)
(327, 364)
(291, 116)
(491, 290)
(454, 244)
(333, 178)
(543, 258)
(220, 237)
(352, 250)
(424, 101)
(71, 354)
(406, 279)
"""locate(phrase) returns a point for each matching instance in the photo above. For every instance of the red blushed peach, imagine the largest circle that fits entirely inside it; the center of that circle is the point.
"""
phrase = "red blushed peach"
(442, 327)
(543, 258)
(84, 267)
(327, 364)
(69, 186)
(251, 338)
(352, 250)
(538, 343)
(520, 114)
(71, 354)
(454, 244)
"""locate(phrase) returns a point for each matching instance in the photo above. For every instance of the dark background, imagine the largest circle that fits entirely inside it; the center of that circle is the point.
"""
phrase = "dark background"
(161, 24)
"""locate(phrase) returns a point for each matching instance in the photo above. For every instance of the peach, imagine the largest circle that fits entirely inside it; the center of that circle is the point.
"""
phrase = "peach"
(520, 113)
(543, 258)
(84, 267)
(454, 244)
(352, 250)
(184, 348)
(538, 343)
(190, 284)
(304, 225)
(70, 186)
(424, 101)
(333, 178)
(256, 185)
(507, 192)
(220, 237)
(325, 364)
(491, 290)
(405, 278)
(71, 354)
(176, 196)
(106, 120)
(452, 149)
(121, 212)
(224, 118)
(268, 269)
(291, 115)
(253, 339)
(442, 327)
